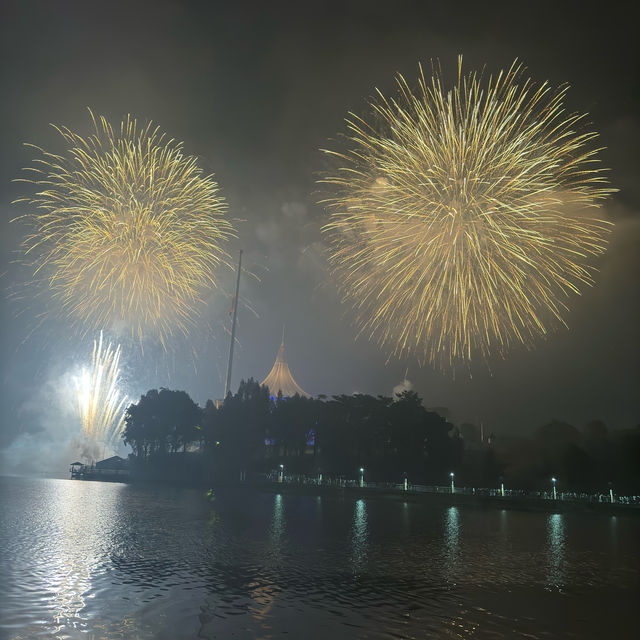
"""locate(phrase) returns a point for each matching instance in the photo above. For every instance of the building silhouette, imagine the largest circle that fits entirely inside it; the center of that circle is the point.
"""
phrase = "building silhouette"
(280, 378)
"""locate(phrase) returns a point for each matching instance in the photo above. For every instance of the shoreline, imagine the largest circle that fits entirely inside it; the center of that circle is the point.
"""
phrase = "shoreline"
(442, 499)
(516, 503)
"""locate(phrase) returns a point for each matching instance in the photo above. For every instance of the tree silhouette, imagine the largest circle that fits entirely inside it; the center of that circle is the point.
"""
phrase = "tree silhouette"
(241, 425)
(161, 421)
(389, 437)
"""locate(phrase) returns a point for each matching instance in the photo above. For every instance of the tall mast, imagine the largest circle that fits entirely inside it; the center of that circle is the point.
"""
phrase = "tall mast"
(233, 328)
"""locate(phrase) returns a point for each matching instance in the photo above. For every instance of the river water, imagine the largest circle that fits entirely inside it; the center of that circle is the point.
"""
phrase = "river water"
(96, 561)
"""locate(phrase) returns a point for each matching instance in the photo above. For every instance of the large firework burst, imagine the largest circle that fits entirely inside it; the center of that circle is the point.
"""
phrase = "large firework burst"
(100, 403)
(459, 218)
(128, 230)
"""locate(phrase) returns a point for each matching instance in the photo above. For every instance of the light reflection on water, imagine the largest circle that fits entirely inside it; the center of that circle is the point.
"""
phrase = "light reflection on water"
(277, 521)
(503, 523)
(263, 589)
(359, 536)
(451, 537)
(555, 537)
(97, 560)
(69, 571)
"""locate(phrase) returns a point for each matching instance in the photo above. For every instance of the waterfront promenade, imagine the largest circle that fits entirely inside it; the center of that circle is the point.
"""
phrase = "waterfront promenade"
(446, 494)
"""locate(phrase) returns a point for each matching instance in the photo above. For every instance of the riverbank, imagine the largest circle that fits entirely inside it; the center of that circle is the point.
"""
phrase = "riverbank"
(519, 503)
(481, 498)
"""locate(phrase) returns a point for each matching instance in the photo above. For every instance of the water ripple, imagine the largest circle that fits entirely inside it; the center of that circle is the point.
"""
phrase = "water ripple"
(118, 561)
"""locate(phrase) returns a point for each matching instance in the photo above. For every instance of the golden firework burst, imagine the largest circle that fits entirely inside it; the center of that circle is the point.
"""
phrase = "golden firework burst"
(460, 218)
(128, 230)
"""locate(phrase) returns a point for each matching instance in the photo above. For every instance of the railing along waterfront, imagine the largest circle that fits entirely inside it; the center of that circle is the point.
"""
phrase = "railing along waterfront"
(498, 493)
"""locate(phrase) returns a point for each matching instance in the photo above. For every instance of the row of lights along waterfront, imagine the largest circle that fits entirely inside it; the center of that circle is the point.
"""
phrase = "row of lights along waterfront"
(451, 475)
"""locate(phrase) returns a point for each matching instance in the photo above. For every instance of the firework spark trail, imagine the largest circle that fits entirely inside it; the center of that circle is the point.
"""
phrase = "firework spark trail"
(100, 406)
(128, 231)
(458, 222)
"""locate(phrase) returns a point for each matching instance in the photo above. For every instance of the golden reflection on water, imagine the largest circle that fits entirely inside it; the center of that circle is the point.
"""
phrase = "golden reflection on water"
(264, 595)
(555, 550)
(359, 536)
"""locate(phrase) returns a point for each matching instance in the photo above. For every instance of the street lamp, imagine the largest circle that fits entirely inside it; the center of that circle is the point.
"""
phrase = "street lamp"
(555, 495)
(611, 493)
(281, 474)
(319, 476)
(361, 476)
(406, 481)
(502, 486)
(453, 489)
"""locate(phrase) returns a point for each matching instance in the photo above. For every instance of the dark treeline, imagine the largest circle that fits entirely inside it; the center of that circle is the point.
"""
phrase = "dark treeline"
(174, 439)
(253, 432)
(591, 459)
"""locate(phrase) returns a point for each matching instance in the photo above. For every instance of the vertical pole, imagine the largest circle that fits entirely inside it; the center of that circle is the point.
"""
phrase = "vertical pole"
(233, 328)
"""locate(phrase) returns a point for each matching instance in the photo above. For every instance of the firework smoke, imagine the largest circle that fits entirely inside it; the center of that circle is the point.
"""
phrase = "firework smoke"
(459, 222)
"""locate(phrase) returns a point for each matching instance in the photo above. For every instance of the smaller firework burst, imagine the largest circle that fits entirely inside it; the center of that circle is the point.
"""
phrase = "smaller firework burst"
(126, 232)
(100, 405)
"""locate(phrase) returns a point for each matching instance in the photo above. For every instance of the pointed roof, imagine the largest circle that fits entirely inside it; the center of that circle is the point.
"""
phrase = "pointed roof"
(280, 378)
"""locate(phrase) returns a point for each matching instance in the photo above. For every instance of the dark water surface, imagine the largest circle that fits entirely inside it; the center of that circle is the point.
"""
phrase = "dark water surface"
(99, 560)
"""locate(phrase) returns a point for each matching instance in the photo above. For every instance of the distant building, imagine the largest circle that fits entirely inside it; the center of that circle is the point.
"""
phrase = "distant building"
(114, 465)
(76, 469)
(280, 379)
(115, 469)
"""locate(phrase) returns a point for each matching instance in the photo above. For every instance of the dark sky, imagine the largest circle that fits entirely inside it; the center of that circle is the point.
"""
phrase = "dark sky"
(254, 89)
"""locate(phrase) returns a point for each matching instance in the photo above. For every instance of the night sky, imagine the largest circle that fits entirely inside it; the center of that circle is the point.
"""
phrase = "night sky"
(254, 90)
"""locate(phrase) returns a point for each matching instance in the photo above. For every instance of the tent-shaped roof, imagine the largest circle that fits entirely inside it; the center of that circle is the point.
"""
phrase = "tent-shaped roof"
(280, 378)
